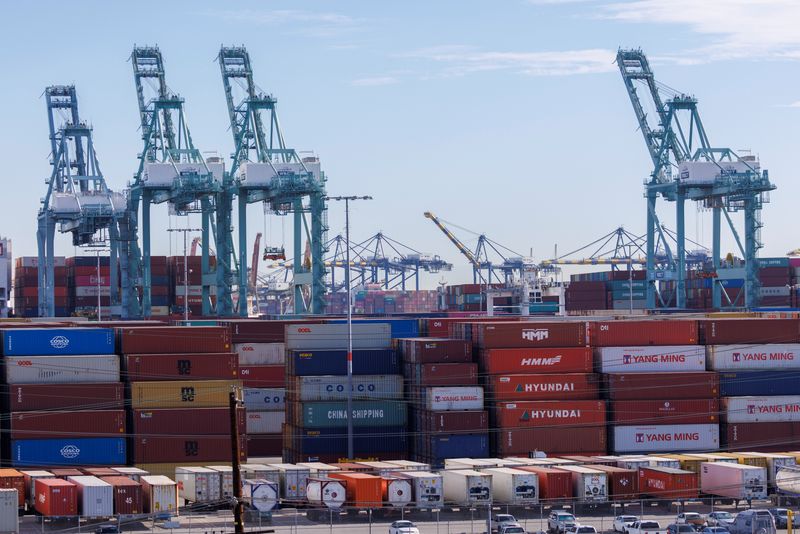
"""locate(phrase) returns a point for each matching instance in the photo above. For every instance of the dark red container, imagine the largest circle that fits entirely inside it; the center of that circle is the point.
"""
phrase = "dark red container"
(545, 360)
(150, 367)
(524, 414)
(100, 471)
(574, 386)
(453, 422)
(263, 376)
(264, 444)
(174, 449)
(623, 484)
(637, 386)
(442, 374)
(186, 421)
(761, 437)
(653, 332)
(667, 412)
(433, 350)
(529, 334)
(128, 498)
(65, 472)
(27, 397)
(258, 331)
(441, 326)
(665, 482)
(86, 424)
(730, 331)
(55, 497)
(173, 339)
(522, 441)
(554, 485)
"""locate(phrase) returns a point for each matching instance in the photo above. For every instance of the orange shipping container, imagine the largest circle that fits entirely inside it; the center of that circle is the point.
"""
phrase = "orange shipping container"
(537, 360)
(13, 479)
(362, 490)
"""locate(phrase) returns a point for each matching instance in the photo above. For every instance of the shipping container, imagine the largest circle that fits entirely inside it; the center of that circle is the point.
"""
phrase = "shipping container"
(530, 334)
(61, 369)
(775, 462)
(426, 488)
(544, 387)
(260, 331)
(225, 473)
(436, 350)
(30, 479)
(73, 451)
(263, 376)
(9, 516)
(554, 484)
(260, 353)
(588, 485)
(182, 393)
(396, 491)
(151, 367)
(467, 486)
(261, 495)
(264, 398)
(647, 332)
(306, 336)
(537, 360)
(55, 497)
(293, 481)
(753, 357)
(656, 386)
(265, 422)
(265, 445)
(523, 414)
(260, 471)
(623, 484)
(367, 441)
(363, 490)
(442, 374)
(13, 479)
(198, 484)
(321, 362)
(443, 446)
(759, 383)
(576, 439)
(57, 341)
(668, 483)
(735, 481)
(334, 388)
(28, 397)
(62, 424)
(513, 486)
(184, 448)
(365, 413)
(95, 497)
(667, 438)
(470, 421)
(180, 421)
(783, 408)
(66, 472)
(160, 494)
(730, 331)
(326, 492)
(133, 473)
(174, 340)
(650, 359)
(128, 499)
(453, 398)
(666, 412)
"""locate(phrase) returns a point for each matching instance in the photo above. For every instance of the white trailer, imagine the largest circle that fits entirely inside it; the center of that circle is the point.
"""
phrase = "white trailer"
(198, 484)
(467, 486)
(588, 485)
(735, 481)
(514, 486)
(426, 488)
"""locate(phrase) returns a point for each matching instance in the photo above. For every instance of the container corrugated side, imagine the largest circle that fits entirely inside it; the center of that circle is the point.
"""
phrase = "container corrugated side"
(61, 369)
(759, 383)
(51, 424)
(777, 409)
(578, 439)
(78, 451)
(57, 341)
(749, 330)
(537, 360)
(265, 422)
(208, 366)
(665, 438)
(9, 515)
(576, 386)
(264, 398)
(29, 397)
(182, 394)
(647, 332)
(260, 353)
(333, 388)
(659, 412)
(635, 386)
(174, 340)
(318, 362)
(306, 336)
(365, 413)
(453, 398)
(530, 334)
(161, 494)
(522, 414)
(95, 496)
(650, 359)
(753, 357)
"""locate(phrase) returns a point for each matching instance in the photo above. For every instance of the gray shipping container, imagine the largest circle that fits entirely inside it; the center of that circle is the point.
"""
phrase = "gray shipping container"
(9, 514)
(61, 369)
(259, 399)
(293, 480)
(198, 484)
(334, 336)
(96, 498)
(334, 388)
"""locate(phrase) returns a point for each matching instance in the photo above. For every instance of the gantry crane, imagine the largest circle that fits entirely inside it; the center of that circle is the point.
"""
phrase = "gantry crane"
(265, 169)
(688, 167)
(78, 199)
(171, 169)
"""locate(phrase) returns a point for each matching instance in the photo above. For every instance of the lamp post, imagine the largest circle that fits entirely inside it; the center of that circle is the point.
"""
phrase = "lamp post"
(185, 231)
(347, 200)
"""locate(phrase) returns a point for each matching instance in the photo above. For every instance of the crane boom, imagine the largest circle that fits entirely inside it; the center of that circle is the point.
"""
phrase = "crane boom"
(453, 239)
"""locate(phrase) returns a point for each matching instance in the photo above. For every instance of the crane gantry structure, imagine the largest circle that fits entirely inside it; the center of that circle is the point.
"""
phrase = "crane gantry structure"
(687, 167)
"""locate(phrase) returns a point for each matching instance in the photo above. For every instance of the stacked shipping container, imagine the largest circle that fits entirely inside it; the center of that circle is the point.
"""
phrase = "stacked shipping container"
(26, 287)
(87, 277)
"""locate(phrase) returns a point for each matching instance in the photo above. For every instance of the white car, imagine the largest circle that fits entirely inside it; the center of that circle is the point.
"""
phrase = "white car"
(500, 521)
(581, 529)
(403, 527)
(511, 529)
(622, 522)
(645, 527)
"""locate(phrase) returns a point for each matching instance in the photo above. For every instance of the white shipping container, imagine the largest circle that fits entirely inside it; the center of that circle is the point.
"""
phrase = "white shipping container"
(226, 479)
(265, 422)
(95, 497)
(735, 481)
(426, 487)
(334, 336)
(439, 399)
(379, 468)
(774, 291)
(747, 357)
(9, 510)
(194, 291)
(160, 493)
(260, 494)
(260, 353)
(633, 463)
(264, 399)
(665, 438)
(260, 472)
(33, 261)
(658, 461)
(328, 492)
(466, 486)
(334, 388)
(91, 291)
(514, 486)
(588, 485)
(30, 479)
(409, 465)
(398, 492)
(61, 369)
(470, 463)
(134, 473)
(293, 480)
(318, 469)
(651, 359)
(780, 408)
(198, 484)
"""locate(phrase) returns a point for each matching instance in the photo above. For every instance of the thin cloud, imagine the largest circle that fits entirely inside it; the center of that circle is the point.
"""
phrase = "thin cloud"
(320, 24)
(374, 81)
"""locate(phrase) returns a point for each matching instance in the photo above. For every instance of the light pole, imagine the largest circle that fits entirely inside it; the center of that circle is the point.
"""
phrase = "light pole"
(347, 200)
(185, 269)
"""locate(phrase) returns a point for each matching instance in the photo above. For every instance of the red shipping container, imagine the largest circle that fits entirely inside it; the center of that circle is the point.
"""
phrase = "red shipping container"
(546, 360)
(761, 437)
(623, 484)
(264, 445)
(13, 479)
(175, 449)
(100, 471)
(553, 484)
(56, 497)
(652, 332)
(263, 376)
(529, 334)
(149, 367)
(656, 386)
(85, 424)
(258, 331)
(443, 374)
(173, 339)
(186, 421)
(666, 412)
(665, 482)
(65, 472)
(440, 326)
(523, 414)
(26, 397)
(732, 331)
(573, 386)
(128, 499)
(522, 441)
(454, 422)
(433, 350)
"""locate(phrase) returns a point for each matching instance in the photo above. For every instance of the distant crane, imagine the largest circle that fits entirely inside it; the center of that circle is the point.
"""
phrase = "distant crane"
(78, 199)
(687, 167)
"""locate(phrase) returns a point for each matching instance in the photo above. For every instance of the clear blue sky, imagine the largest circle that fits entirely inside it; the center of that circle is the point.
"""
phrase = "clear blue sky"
(507, 117)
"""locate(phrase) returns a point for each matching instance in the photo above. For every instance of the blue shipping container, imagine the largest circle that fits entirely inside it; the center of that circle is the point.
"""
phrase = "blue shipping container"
(334, 362)
(264, 398)
(81, 451)
(759, 383)
(400, 327)
(365, 440)
(58, 341)
(458, 446)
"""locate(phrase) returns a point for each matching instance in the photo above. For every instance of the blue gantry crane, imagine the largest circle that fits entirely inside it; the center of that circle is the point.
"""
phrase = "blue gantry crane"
(171, 169)
(265, 169)
(78, 199)
(687, 167)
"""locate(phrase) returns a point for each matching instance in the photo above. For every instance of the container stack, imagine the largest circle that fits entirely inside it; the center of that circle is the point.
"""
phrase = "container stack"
(316, 409)
(585, 295)
(660, 396)
(26, 287)
(179, 381)
(775, 276)
(758, 361)
(189, 280)
(541, 388)
(52, 371)
(159, 286)
(88, 276)
(447, 415)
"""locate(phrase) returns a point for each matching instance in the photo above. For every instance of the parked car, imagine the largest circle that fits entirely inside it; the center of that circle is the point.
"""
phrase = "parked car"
(675, 528)
(715, 530)
(691, 518)
(644, 527)
(512, 529)
(720, 519)
(501, 520)
(581, 529)
(621, 522)
(403, 527)
(753, 522)
(781, 517)
(559, 521)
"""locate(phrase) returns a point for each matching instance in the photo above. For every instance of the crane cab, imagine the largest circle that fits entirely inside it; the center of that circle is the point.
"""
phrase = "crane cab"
(274, 253)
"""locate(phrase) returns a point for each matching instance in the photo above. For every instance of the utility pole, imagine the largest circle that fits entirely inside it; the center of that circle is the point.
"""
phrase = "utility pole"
(185, 269)
(350, 454)
(238, 510)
